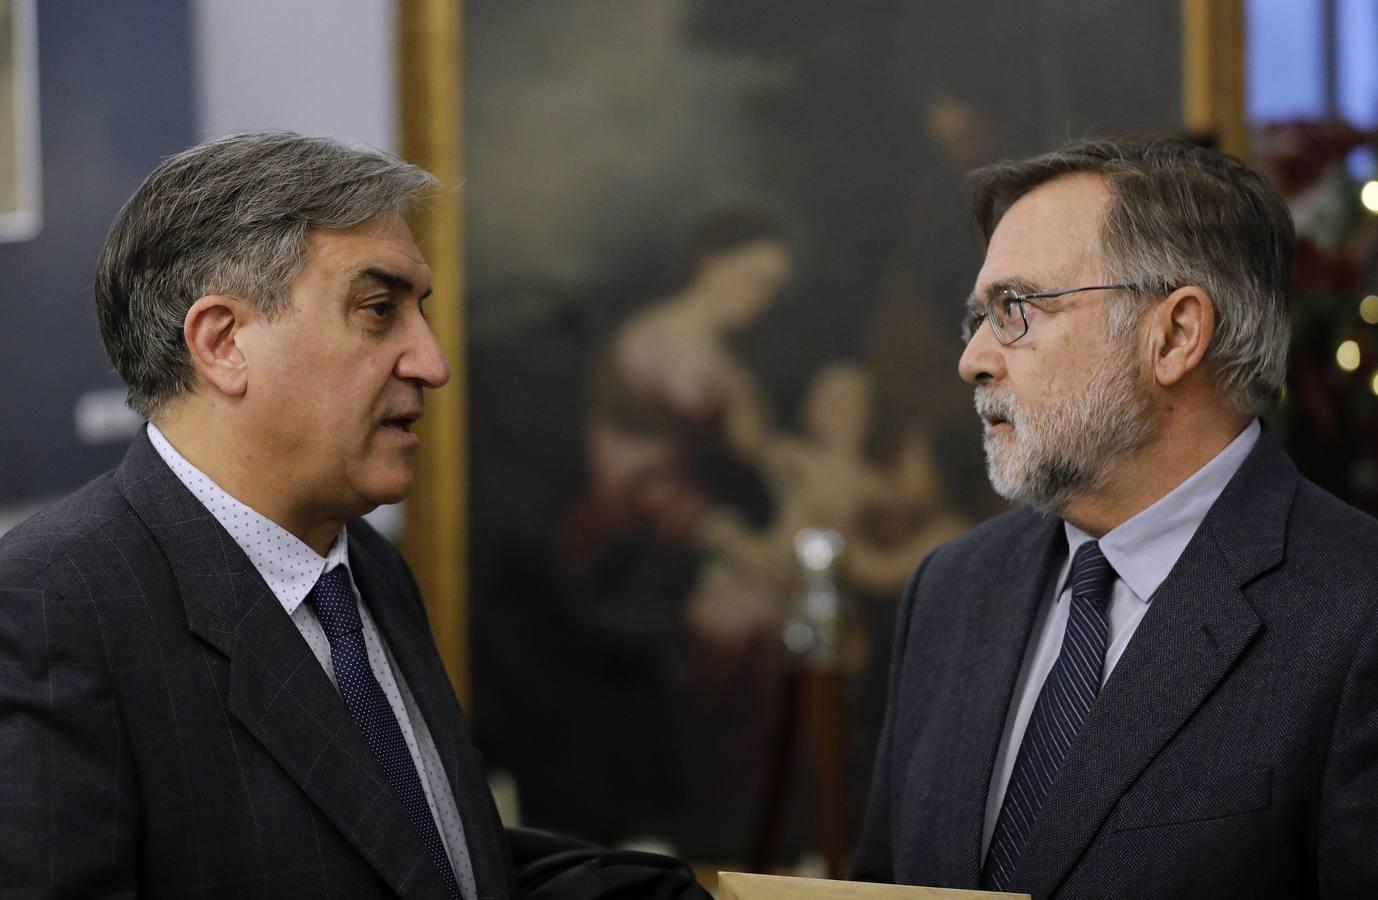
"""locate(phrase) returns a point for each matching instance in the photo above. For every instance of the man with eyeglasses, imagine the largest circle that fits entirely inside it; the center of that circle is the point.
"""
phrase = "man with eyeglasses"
(1159, 678)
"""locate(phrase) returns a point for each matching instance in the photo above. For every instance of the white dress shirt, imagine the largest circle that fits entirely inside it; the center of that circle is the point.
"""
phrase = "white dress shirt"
(1142, 551)
(291, 569)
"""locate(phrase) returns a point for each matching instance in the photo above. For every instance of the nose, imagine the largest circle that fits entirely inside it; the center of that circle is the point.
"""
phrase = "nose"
(983, 359)
(422, 360)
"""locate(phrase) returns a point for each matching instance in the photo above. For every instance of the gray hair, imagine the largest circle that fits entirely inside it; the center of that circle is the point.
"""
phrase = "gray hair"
(1181, 214)
(229, 216)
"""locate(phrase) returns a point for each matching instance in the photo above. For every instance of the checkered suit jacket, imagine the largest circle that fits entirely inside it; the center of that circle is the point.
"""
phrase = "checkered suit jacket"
(1233, 752)
(164, 729)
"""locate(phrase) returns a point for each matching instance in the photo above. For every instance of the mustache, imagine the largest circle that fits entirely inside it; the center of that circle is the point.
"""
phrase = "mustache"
(990, 404)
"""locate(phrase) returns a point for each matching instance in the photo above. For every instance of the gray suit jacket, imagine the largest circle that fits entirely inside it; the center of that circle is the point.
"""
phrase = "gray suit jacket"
(164, 729)
(1233, 752)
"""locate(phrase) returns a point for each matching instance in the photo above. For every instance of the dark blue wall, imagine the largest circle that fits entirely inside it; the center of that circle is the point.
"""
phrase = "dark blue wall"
(116, 93)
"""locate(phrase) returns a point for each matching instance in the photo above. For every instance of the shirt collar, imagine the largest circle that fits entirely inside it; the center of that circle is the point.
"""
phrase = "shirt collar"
(288, 565)
(1144, 549)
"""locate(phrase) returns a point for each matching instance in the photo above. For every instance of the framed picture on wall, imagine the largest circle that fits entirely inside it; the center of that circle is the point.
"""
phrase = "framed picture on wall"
(20, 209)
(716, 254)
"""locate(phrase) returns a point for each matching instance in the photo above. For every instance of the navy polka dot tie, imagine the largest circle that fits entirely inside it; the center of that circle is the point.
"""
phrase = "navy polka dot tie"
(1066, 698)
(338, 611)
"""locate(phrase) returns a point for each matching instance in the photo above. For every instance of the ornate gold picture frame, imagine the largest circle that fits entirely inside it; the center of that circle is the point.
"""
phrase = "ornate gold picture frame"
(20, 207)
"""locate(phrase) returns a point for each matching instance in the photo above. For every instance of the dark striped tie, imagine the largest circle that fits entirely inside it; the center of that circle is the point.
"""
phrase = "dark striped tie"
(1066, 698)
(338, 610)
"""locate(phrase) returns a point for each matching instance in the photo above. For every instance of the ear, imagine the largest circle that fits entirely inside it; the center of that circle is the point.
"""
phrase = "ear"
(212, 329)
(1181, 326)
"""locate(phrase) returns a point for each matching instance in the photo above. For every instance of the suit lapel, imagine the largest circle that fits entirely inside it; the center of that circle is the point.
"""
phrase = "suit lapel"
(408, 636)
(999, 629)
(1198, 626)
(277, 689)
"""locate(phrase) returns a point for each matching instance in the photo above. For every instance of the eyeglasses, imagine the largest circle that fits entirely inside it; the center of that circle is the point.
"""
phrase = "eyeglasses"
(1009, 325)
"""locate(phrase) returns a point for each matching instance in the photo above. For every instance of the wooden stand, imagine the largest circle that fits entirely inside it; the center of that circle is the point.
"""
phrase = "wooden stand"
(815, 710)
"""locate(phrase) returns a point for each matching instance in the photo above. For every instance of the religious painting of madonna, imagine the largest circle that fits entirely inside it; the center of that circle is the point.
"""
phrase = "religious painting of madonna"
(717, 254)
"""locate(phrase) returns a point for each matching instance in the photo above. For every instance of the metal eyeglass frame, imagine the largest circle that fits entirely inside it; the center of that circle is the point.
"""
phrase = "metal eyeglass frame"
(971, 323)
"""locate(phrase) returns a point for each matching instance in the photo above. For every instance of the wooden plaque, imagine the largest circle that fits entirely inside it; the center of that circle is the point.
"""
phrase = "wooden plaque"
(741, 886)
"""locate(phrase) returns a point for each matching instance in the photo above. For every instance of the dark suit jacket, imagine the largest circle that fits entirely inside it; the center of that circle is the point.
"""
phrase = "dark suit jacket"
(164, 729)
(1233, 752)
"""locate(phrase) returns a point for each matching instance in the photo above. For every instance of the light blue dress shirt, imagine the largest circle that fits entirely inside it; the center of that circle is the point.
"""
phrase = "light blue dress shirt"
(1142, 551)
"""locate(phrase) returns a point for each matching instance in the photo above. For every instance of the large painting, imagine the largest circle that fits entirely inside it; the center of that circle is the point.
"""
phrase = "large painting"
(717, 252)
(19, 204)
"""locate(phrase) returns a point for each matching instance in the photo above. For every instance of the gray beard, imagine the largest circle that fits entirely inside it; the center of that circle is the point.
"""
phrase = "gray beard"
(1067, 450)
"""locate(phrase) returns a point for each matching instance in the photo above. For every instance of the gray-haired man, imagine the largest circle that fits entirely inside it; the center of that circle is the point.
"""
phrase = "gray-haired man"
(214, 679)
(1161, 678)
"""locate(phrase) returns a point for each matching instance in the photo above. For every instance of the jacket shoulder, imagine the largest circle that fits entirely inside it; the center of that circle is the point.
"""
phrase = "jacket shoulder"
(1318, 511)
(65, 528)
(1332, 542)
(974, 546)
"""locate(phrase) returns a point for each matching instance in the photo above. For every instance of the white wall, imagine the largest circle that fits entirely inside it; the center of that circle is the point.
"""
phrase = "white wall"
(315, 66)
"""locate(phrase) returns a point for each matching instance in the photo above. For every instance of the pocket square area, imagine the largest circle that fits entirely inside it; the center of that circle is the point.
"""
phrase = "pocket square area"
(1220, 795)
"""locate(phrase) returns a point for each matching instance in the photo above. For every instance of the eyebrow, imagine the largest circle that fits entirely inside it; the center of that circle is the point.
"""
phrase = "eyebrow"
(976, 301)
(390, 280)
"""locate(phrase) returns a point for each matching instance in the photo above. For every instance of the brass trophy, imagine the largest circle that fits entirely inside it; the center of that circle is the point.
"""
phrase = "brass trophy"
(814, 712)
(817, 703)
(815, 628)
